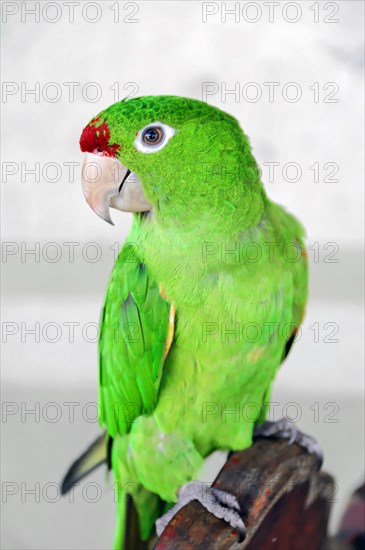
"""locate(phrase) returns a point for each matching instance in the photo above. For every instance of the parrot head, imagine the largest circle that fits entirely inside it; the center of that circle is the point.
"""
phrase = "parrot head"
(177, 157)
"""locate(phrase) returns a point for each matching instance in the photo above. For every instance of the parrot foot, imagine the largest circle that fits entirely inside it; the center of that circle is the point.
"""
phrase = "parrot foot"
(286, 429)
(221, 504)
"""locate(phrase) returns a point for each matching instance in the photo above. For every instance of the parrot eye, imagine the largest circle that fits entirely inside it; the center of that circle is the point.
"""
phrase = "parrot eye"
(152, 135)
(153, 138)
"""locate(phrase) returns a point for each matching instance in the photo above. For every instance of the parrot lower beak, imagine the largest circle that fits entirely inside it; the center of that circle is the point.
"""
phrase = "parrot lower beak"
(107, 183)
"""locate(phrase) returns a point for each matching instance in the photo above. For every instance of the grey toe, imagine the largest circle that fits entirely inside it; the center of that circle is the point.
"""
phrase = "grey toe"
(286, 429)
(221, 504)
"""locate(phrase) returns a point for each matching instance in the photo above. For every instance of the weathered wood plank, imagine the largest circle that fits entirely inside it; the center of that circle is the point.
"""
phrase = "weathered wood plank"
(284, 499)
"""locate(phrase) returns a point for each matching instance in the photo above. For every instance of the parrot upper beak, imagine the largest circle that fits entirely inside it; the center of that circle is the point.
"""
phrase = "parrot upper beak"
(106, 182)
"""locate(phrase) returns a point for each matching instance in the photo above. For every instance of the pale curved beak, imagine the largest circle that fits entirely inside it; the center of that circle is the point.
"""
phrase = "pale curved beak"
(107, 183)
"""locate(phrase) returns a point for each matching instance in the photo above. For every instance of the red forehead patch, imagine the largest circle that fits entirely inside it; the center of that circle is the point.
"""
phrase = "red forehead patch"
(95, 139)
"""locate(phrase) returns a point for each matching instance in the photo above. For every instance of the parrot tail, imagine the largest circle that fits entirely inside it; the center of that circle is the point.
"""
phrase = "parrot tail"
(127, 535)
(96, 454)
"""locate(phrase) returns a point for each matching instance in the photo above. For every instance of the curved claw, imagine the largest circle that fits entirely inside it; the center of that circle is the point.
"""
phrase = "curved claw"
(221, 504)
(286, 429)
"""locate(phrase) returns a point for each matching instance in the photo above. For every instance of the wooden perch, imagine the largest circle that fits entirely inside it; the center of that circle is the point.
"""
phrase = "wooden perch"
(285, 502)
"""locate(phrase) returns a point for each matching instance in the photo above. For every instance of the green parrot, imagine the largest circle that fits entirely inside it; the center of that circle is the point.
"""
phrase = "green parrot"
(202, 305)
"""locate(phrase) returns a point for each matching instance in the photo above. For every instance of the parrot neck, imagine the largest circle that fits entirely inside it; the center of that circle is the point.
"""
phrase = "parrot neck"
(193, 250)
(226, 218)
(228, 223)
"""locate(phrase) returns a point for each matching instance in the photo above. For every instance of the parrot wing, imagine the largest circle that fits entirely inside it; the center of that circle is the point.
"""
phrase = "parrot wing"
(134, 339)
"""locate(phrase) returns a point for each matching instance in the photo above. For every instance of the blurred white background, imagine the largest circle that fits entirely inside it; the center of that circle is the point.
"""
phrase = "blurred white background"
(92, 54)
